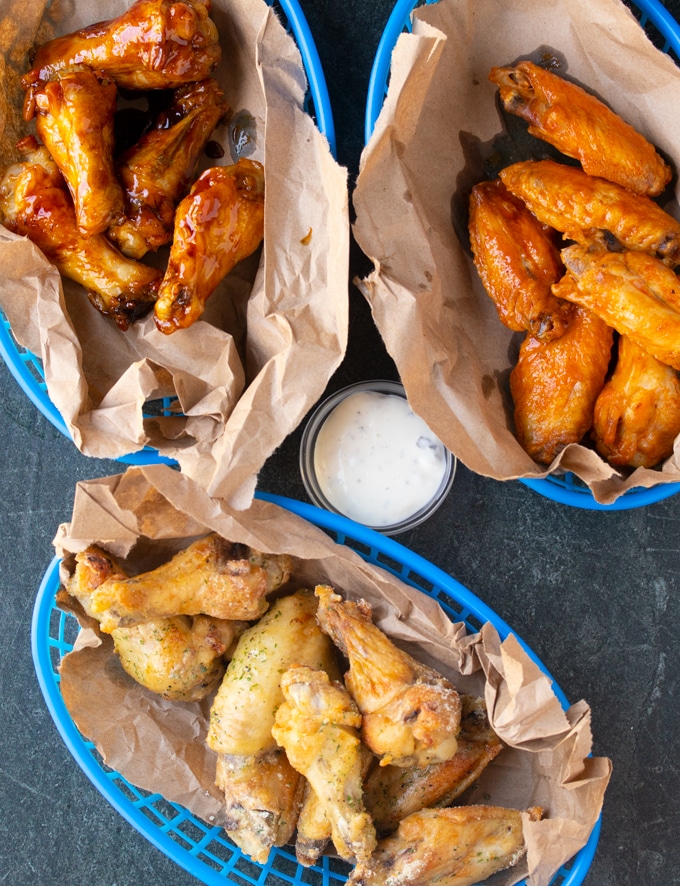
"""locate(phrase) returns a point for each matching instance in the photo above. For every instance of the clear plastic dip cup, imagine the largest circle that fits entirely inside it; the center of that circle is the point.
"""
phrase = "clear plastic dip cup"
(366, 455)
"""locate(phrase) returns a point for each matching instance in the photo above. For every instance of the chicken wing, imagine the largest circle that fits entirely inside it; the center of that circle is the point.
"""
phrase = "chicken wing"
(155, 44)
(634, 293)
(210, 577)
(74, 118)
(217, 225)
(410, 713)
(449, 847)
(35, 203)
(554, 385)
(581, 126)
(318, 726)
(517, 261)
(262, 790)
(156, 173)
(391, 793)
(637, 415)
(588, 209)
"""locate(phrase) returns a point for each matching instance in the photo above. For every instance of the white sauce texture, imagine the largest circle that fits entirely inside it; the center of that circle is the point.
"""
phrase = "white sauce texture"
(376, 461)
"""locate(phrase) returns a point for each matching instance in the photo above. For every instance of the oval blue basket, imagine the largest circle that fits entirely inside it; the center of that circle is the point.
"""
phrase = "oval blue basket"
(26, 367)
(201, 849)
(664, 30)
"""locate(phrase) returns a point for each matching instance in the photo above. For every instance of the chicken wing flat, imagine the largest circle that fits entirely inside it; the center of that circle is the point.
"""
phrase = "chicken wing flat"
(634, 293)
(157, 172)
(410, 713)
(554, 385)
(74, 119)
(155, 44)
(318, 726)
(637, 415)
(391, 793)
(217, 225)
(210, 577)
(581, 126)
(35, 203)
(586, 209)
(449, 847)
(517, 261)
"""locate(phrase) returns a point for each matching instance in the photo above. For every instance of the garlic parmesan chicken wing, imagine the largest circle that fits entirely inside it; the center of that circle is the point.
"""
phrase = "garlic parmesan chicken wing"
(589, 209)
(35, 203)
(157, 172)
(318, 725)
(450, 847)
(582, 127)
(74, 115)
(410, 713)
(210, 577)
(217, 225)
(637, 415)
(554, 385)
(262, 791)
(517, 261)
(314, 830)
(391, 793)
(155, 44)
(634, 293)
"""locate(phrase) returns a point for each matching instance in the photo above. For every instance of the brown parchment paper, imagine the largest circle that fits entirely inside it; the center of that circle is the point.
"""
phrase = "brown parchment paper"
(453, 354)
(148, 513)
(273, 333)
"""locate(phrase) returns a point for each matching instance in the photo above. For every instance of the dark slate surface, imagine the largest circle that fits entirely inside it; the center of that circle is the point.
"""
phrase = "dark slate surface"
(595, 594)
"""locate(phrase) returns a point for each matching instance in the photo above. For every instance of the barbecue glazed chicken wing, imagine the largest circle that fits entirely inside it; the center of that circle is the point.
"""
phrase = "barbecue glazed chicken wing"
(589, 209)
(450, 847)
(217, 225)
(155, 44)
(74, 115)
(318, 726)
(581, 126)
(554, 385)
(157, 172)
(517, 261)
(634, 293)
(410, 713)
(35, 203)
(210, 577)
(637, 415)
(262, 791)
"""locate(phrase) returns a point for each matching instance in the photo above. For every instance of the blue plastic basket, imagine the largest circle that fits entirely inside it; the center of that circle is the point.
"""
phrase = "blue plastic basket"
(27, 369)
(201, 849)
(664, 31)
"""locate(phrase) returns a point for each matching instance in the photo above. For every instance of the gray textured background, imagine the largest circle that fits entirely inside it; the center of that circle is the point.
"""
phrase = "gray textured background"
(595, 594)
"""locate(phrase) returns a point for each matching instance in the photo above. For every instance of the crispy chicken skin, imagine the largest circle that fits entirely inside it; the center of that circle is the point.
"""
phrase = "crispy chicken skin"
(410, 713)
(210, 577)
(155, 44)
(318, 725)
(554, 385)
(157, 172)
(586, 209)
(517, 260)
(262, 790)
(218, 224)
(74, 115)
(581, 126)
(35, 203)
(391, 793)
(450, 847)
(634, 293)
(637, 415)
(313, 829)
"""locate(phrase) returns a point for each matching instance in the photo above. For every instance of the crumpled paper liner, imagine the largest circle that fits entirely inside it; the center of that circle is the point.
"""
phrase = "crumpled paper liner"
(275, 330)
(148, 513)
(453, 354)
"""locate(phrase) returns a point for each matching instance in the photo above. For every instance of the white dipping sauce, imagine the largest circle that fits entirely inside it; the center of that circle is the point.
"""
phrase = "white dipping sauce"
(376, 461)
